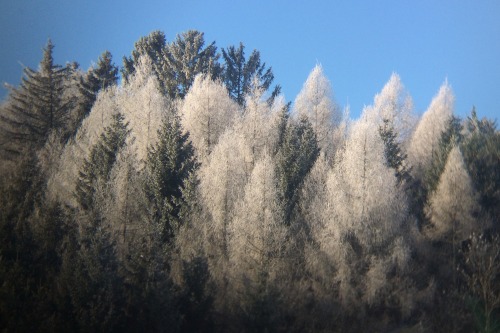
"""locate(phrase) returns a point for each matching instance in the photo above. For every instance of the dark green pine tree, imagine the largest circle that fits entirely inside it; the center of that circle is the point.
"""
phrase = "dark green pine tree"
(449, 138)
(170, 165)
(296, 156)
(239, 72)
(394, 156)
(152, 46)
(36, 108)
(102, 76)
(481, 152)
(185, 58)
(97, 167)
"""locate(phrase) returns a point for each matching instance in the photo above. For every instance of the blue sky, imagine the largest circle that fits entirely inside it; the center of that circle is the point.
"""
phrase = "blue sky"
(358, 43)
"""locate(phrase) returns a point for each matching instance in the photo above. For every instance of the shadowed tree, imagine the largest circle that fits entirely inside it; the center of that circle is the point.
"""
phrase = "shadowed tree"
(97, 167)
(97, 78)
(36, 108)
(169, 164)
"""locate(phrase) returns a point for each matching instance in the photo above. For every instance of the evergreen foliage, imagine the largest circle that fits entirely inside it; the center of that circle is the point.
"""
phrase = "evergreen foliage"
(170, 163)
(295, 157)
(286, 223)
(102, 76)
(184, 59)
(481, 152)
(96, 169)
(152, 46)
(394, 155)
(37, 107)
(238, 73)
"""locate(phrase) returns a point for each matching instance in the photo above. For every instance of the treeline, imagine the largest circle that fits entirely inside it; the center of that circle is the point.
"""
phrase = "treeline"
(192, 197)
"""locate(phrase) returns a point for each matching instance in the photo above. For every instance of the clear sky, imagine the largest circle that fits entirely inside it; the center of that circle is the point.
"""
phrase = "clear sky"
(359, 43)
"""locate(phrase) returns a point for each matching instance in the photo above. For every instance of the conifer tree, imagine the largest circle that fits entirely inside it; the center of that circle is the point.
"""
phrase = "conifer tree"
(97, 78)
(152, 46)
(207, 111)
(453, 205)
(183, 60)
(295, 157)
(169, 165)
(425, 139)
(37, 107)
(315, 101)
(238, 73)
(481, 152)
(97, 167)
(395, 157)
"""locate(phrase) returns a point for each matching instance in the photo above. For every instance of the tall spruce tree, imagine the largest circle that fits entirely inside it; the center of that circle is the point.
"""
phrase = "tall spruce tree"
(481, 153)
(395, 157)
(296, 156)
(185, 58)
(36, 108)
(169, 164)
(99, 77)
(153, 46)
(97, 167)
(238, 73)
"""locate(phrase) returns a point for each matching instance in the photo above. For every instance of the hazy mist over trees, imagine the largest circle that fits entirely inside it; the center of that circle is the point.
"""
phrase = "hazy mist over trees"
(188, 195)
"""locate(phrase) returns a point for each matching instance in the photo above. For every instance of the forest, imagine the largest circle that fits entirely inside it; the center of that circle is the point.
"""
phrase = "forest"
(181, 192)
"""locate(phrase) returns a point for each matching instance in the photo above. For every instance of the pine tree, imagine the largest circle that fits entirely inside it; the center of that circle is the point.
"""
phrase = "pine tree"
(481, 152)
(183, 60)
(37, 107)
(97, 78)
(295, 157)
(97, 167)
(394, 155)
(450, 137)
(153, 46)
(238, 73)
(169, 165)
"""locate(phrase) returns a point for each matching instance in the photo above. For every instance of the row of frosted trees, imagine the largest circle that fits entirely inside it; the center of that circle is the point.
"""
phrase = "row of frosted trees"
(193, 197)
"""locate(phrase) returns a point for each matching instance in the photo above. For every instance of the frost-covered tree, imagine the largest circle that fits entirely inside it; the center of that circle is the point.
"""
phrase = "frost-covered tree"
(257, 233)
(313, 195)
(96, 169)
(142, 105)
(221, 179)
(152, 46)
(257, 247)
(239, 72)
(453, 206)
(394, 106)
(255, 124)
(363, 218)
(37, 107)
(425, 139)
(206, 112)
(315, 101)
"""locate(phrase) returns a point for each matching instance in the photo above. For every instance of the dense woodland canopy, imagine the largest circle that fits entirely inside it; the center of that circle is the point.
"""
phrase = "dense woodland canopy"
(190, 196)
